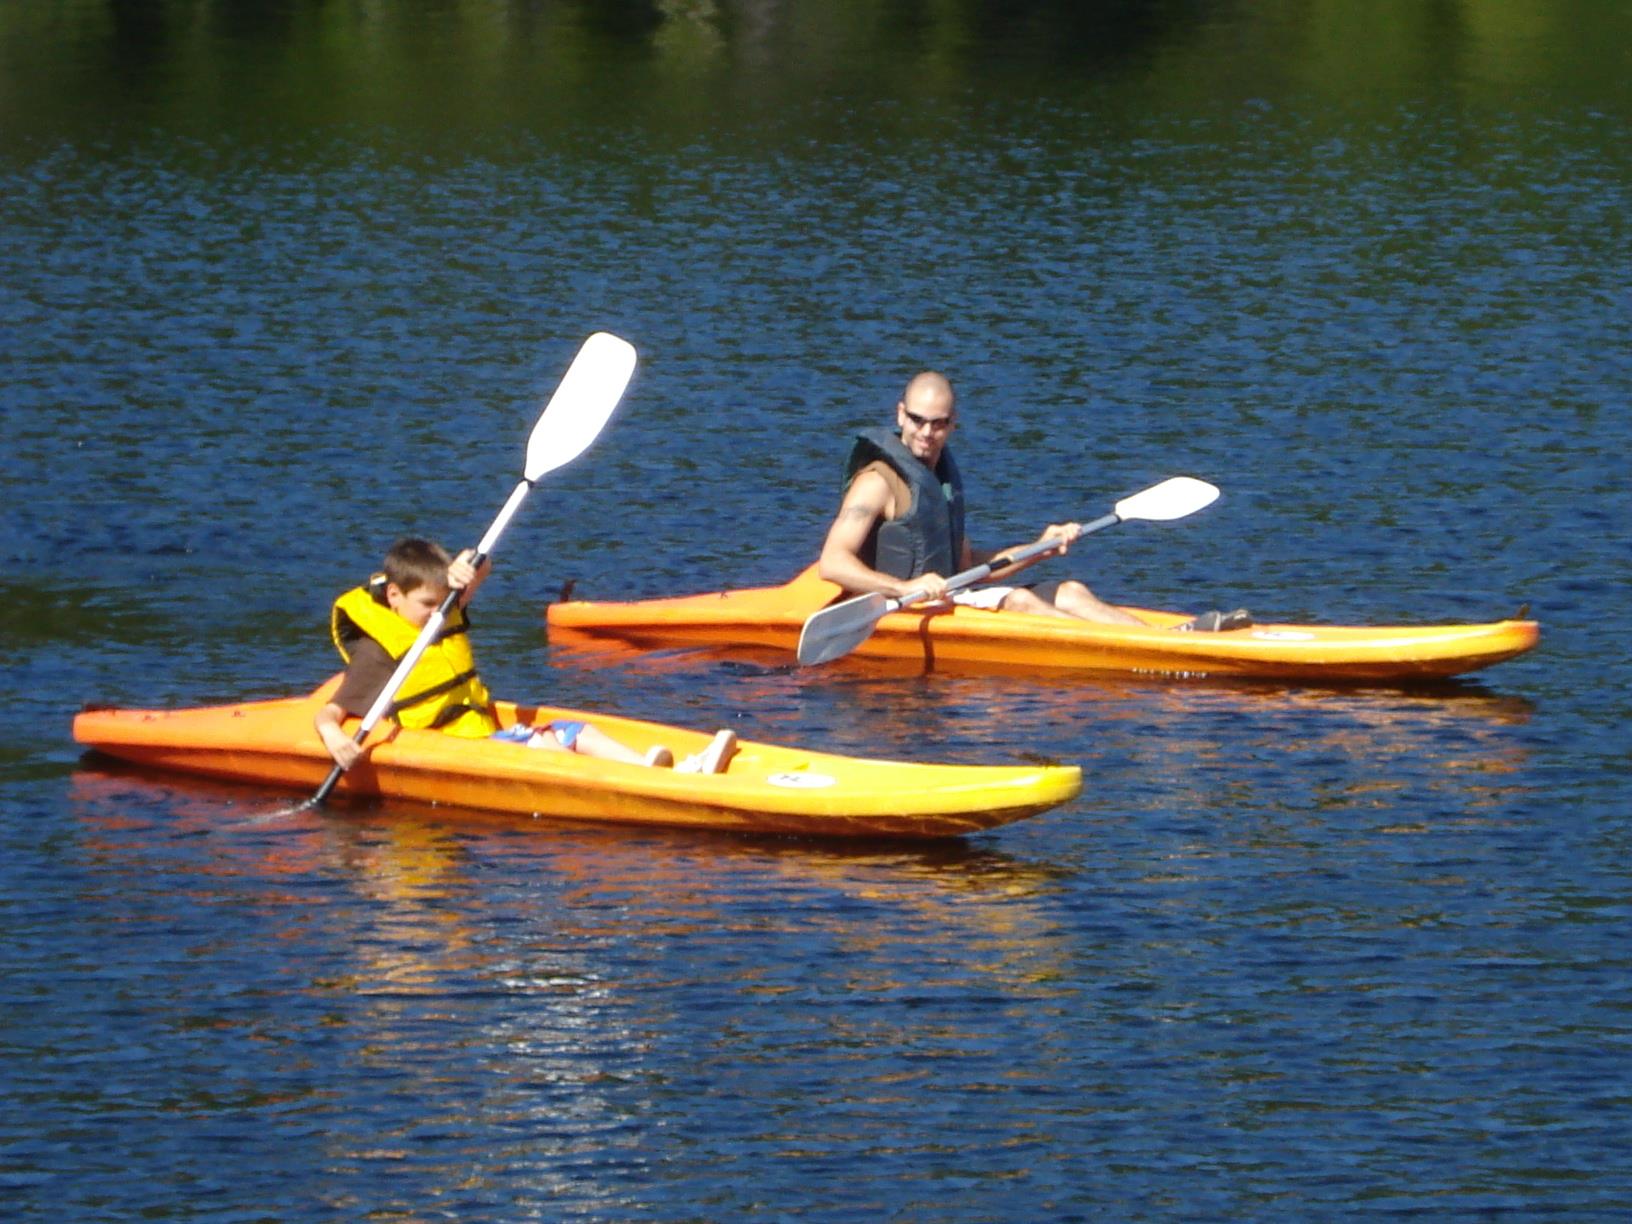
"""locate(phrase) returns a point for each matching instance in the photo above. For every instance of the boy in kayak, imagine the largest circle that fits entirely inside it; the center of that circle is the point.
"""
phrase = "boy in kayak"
(375, 625)
(900, 526)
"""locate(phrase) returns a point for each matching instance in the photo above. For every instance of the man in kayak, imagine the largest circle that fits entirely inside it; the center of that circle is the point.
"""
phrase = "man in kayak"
(899, 528)
(375, 625)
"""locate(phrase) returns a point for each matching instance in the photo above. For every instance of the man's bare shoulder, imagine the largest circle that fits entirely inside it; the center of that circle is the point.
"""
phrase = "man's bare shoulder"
(880, 488)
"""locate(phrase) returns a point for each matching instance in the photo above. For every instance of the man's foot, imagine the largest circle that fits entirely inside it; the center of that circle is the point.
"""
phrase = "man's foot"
(659, 757)
(711, 760)
(1216, 622)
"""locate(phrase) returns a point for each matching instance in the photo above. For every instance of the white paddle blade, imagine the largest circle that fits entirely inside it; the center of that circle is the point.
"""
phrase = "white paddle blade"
(836, 631)
(582, 404)
(1174, 498)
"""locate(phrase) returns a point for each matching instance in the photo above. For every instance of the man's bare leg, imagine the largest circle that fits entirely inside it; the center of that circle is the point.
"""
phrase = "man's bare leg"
(1072, 599)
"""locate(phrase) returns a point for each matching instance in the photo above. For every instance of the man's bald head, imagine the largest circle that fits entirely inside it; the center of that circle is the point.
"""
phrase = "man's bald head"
(930, 388)
(926, 414)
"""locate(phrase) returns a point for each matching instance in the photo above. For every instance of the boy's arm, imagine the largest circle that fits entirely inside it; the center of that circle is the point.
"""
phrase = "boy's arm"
(341, 746)
(369, 670)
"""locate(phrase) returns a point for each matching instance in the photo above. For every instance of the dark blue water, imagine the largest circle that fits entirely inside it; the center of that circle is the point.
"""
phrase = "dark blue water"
(1295, 953)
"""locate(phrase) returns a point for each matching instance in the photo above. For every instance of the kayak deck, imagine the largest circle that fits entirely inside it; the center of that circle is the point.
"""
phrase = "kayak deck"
(765, 789)
(773, 616)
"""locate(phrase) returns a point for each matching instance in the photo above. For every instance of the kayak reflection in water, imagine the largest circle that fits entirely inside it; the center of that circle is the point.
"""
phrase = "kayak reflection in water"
(375, 625)
(900, 527)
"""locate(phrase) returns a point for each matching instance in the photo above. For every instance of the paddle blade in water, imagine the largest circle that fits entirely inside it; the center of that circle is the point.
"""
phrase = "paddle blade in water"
(308, 804)
(581, 405)
(1174, 498)
(836, 631)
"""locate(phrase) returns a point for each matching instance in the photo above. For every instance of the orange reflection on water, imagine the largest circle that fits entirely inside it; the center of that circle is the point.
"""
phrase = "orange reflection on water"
(418, 868)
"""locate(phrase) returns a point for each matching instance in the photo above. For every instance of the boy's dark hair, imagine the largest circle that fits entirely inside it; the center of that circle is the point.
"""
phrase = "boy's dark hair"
(412, 563)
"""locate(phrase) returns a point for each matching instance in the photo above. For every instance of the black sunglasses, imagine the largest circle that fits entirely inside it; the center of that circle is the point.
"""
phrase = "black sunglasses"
(935, 424)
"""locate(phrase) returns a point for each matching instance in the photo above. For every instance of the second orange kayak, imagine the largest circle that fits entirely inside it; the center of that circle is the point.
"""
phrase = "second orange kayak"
(969, 637)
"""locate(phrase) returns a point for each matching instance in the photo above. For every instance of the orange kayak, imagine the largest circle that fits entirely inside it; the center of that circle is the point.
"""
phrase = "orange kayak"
(938, 636)
(765, 788)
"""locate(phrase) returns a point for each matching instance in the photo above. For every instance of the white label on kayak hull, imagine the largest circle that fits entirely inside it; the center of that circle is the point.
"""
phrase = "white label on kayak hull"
(802, 781)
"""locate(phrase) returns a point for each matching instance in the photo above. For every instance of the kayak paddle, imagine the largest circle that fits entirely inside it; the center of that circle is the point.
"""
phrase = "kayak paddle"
(836, 631)
(574, 418)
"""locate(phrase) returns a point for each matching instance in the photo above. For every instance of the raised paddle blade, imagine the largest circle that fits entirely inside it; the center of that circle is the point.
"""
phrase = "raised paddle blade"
(1174, 498)
(574, 418)
(836, 631)
(581, 405)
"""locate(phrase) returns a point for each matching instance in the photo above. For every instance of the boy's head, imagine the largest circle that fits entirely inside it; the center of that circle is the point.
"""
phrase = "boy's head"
(416, 579)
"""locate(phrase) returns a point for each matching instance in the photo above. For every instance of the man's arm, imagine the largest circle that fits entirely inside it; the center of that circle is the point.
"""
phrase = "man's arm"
(866, 501)
(1062, 533)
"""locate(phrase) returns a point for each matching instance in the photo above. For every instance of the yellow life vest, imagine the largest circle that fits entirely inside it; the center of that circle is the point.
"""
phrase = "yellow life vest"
(443, 690)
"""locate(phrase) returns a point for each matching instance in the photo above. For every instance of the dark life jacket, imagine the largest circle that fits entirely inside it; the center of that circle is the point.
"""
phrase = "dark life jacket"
(929, 536)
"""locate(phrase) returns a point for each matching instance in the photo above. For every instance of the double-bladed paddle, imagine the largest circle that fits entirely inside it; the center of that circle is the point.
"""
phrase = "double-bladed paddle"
(836, 631)
(574, 418)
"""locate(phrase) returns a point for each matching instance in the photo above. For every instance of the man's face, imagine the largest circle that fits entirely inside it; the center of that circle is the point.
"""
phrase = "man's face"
(926, 420)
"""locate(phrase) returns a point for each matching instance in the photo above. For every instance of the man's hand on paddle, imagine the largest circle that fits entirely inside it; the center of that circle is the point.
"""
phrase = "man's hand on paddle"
(931, 586)
(1065, 533)
(868, 500)
(1061, 535)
